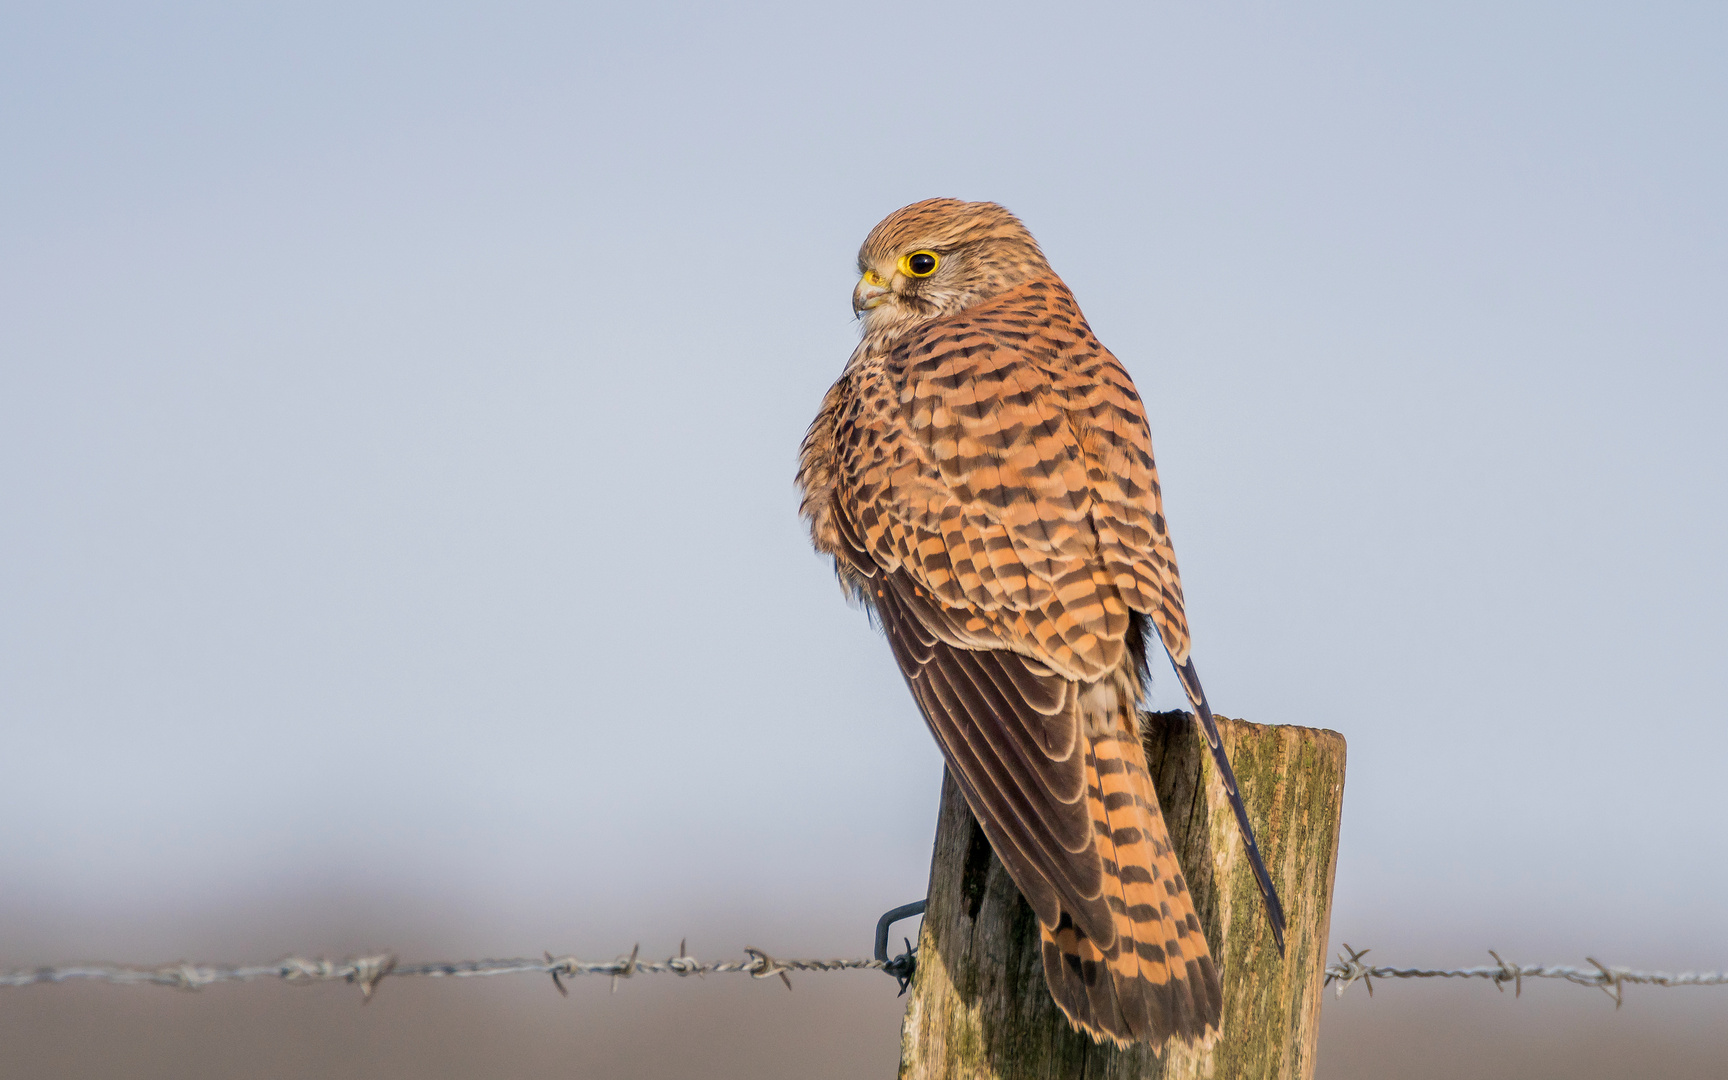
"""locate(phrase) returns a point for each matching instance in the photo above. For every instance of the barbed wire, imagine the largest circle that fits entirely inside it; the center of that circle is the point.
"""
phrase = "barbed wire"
(1349, 970)
(367, 972)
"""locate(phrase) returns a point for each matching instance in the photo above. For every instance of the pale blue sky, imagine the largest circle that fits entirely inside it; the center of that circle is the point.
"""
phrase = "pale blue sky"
(399, 406)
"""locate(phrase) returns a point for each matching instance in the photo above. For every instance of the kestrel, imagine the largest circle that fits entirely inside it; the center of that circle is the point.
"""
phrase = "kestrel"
(982, 475)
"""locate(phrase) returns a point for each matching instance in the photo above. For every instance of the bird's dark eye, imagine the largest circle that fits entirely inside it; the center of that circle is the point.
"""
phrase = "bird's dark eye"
(919, 264)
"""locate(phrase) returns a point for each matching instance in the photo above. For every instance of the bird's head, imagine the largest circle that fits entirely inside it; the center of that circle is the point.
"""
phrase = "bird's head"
(937, 257)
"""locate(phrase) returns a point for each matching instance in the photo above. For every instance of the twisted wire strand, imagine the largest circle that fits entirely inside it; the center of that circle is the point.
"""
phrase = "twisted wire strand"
(367, 972)
(1349, 969)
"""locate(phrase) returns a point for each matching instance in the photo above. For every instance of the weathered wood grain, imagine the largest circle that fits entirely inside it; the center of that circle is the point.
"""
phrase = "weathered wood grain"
(979, 1009)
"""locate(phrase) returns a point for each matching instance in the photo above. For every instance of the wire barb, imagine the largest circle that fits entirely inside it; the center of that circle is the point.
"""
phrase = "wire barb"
(623, 968)
(1351, 970)
(684, 964)
(554, 967)
(368, 970)
(904, 966)
(766, 967)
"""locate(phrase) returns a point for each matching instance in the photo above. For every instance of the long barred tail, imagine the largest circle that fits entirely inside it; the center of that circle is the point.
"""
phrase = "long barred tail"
(1061, 790)
(1157, 979)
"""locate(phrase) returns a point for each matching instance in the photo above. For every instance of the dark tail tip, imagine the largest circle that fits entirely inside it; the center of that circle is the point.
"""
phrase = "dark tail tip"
(1274, 908)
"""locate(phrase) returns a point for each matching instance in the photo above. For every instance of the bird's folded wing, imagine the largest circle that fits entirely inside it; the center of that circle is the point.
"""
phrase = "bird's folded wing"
(1021, 768)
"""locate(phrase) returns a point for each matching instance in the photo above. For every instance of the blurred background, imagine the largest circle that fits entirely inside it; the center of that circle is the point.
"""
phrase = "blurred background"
(398, 413)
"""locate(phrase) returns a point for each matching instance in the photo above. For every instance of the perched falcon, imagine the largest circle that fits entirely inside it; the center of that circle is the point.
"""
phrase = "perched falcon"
(982, 475)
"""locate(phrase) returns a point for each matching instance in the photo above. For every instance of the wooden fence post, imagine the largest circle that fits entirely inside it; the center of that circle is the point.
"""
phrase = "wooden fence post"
(979, 1009)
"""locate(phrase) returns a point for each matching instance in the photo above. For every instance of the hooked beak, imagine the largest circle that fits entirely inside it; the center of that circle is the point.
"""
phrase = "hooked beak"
(871, 291)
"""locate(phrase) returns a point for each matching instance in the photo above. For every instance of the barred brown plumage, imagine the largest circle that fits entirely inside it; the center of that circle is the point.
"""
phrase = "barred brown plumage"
(982, 474)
